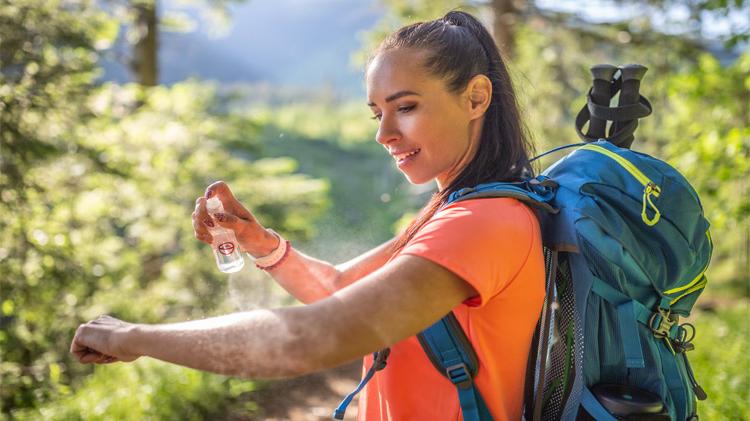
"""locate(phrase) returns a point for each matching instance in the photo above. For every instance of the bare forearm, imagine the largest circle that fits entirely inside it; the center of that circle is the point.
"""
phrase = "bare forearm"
(256, 344)
(307, 278)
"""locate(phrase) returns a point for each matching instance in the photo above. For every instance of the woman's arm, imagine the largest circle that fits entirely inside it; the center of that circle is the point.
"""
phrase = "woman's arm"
(394, 302)
(308, 279)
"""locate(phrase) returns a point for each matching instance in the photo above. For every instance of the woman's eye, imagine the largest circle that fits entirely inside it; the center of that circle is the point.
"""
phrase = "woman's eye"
(402, 109)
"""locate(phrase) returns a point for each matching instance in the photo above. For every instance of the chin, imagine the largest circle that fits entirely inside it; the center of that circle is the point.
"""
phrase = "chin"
(417, 179)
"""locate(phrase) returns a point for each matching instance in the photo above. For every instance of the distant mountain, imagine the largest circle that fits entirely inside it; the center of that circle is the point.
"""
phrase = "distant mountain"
(295, 43)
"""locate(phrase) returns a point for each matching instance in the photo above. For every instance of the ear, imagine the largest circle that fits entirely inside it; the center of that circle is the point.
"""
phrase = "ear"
(479, 93)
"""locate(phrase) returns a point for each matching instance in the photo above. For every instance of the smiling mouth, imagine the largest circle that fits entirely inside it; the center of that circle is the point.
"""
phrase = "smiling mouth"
(402, 157)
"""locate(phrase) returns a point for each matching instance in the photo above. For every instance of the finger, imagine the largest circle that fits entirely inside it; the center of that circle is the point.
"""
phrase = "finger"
(201, 232)
(80, 353)
(200, 213)
(90, 357)
(201, 221)
(76, 345)
(227, 220)
(205, 238)
(231, 205)
(104, 359)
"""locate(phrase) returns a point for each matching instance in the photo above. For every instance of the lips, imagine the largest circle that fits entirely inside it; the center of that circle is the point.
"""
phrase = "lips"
(402, 156)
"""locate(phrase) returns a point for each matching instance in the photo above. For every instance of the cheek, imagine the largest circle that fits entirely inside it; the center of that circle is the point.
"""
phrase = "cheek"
(450, 138)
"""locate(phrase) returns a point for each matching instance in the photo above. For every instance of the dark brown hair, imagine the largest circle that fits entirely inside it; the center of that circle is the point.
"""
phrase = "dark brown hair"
(458, 48)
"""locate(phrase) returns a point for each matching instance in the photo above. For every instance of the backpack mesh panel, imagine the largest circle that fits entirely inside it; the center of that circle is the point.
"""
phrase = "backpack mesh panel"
(565, 334)
(540, 353)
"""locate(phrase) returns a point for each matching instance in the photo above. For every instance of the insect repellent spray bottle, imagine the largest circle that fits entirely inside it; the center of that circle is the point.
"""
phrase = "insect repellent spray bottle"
(225, 245)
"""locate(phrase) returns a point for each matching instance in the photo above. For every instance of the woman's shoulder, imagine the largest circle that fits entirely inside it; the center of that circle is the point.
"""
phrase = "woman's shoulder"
(501, 219)
(490, 211)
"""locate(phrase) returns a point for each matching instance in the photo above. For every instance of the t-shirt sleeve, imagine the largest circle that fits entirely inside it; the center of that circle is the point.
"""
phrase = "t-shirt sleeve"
(486, 242)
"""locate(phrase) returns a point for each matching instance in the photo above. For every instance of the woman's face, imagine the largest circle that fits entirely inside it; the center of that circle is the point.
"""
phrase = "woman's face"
(430, 132)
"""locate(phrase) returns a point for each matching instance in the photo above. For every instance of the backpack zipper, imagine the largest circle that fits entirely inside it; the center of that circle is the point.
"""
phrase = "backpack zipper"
(697, 283)
(650, 188)
(691, 288)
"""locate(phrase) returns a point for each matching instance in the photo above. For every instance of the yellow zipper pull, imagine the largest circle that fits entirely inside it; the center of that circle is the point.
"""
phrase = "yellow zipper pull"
(650, 190)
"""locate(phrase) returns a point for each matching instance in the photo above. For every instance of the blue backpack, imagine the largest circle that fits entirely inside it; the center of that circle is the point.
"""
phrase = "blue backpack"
(626, 249)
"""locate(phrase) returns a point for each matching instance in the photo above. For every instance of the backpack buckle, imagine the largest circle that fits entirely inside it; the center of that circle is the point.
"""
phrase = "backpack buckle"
(660, 323)
(381, 358)
(459, 375)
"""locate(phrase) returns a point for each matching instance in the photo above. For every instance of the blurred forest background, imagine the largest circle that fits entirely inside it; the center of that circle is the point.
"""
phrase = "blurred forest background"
(116, 114)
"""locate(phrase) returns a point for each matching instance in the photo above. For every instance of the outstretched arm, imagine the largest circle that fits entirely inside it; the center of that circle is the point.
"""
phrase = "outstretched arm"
(392, 303)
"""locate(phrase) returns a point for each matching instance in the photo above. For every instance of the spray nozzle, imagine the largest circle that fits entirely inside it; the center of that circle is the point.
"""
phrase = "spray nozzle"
(214, 205)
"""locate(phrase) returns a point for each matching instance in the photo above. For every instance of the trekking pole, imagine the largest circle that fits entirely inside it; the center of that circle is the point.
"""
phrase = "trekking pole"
(601, 94)
(629, 95)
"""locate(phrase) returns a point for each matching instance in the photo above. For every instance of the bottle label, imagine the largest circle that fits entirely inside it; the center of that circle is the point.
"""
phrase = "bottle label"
(226, 248)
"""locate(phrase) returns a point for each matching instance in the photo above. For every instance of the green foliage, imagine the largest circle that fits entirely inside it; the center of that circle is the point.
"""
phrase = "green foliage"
(97, 187)
(147, 390)
(721, 361)
(344, 124)
(47, 64)
(708, 122)
(47, 59)
(90, 242)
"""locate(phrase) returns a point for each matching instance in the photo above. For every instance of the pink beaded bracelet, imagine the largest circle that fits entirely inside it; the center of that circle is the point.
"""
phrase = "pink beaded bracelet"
(275, 257)
(281, 260)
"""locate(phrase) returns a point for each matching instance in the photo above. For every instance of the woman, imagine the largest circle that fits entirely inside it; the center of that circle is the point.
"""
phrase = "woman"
(446, 112)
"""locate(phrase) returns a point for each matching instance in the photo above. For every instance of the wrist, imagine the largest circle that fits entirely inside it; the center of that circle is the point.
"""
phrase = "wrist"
(271, 260)
(129, 341)
(267, 243)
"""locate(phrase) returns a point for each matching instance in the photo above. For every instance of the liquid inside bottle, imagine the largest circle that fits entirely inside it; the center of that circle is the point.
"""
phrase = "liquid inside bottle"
(226, 248)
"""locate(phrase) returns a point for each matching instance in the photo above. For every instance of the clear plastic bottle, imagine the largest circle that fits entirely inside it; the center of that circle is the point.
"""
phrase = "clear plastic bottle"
(225, 245)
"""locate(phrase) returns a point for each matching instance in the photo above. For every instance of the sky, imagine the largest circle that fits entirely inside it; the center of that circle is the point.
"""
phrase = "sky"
(295, 43)
(309, 44)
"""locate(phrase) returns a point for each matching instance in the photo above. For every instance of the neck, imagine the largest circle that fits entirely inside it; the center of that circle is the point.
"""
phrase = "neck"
(475, 134)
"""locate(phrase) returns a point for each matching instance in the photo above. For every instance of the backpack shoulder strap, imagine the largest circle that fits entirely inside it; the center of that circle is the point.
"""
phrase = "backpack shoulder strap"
(453, 356)
(537, 192)
(444, 342)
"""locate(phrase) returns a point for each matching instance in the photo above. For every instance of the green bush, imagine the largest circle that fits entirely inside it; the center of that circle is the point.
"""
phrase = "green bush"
(721, 361)
(147, 390)
(96, 191)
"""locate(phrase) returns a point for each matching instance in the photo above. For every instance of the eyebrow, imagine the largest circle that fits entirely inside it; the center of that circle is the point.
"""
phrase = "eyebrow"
(395, 96)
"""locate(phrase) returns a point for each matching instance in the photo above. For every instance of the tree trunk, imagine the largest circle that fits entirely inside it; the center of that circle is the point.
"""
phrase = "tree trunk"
(506, 14)
(144, 64)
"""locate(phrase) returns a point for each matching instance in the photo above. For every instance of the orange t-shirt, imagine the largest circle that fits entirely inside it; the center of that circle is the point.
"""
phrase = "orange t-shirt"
(495, 245)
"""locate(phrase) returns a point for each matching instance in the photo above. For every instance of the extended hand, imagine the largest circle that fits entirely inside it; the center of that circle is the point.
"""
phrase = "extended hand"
(101, 341)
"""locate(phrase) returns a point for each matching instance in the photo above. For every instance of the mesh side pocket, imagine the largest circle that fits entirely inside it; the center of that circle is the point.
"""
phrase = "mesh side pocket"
(565, 334)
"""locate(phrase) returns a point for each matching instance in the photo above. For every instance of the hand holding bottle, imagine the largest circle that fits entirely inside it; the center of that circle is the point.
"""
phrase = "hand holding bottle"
(233, 216)
(225, 245)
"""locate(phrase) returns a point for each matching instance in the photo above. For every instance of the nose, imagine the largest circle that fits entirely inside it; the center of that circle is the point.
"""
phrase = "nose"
(387, 131)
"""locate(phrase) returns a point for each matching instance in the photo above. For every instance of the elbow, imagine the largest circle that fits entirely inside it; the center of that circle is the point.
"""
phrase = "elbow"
(286, 361)
(304, 354)
(312, 348)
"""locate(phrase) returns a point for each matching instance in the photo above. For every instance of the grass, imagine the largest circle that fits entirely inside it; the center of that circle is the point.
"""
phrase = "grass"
(148, 390)
(721, 361)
